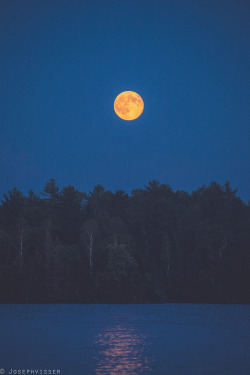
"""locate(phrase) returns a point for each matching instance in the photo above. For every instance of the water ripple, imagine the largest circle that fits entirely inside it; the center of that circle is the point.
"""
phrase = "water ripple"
(121, 350)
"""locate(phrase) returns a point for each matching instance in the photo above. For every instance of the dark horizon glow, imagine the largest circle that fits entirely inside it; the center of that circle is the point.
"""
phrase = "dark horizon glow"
(64, 62)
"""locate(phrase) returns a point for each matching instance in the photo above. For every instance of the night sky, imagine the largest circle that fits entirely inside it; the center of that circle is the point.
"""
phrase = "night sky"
(62, 64)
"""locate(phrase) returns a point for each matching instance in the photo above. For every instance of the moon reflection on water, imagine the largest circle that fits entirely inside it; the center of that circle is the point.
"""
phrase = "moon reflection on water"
(123, 351)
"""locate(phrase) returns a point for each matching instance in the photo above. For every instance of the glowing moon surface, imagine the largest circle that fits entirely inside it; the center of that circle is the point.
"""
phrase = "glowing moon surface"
(128, 105)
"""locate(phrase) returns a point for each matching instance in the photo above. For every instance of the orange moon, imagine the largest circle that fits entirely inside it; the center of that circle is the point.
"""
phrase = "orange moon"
(128, 105)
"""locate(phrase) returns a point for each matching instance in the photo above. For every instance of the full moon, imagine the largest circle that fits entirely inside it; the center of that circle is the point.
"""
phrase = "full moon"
(128, 105)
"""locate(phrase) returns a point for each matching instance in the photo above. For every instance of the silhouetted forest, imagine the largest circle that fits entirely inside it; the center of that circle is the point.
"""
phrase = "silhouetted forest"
(154, 245)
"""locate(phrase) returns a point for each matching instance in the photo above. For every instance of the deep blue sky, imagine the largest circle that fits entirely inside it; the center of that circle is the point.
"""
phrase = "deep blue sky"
(62, 63)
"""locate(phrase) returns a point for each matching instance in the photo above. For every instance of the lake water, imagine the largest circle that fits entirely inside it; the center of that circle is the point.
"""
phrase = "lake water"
(167, 339)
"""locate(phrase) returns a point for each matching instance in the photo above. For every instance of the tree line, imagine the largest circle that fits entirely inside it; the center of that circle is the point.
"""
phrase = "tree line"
(154, 245)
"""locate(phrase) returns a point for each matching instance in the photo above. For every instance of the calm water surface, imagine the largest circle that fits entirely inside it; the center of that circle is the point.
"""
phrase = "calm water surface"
(168, 339)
